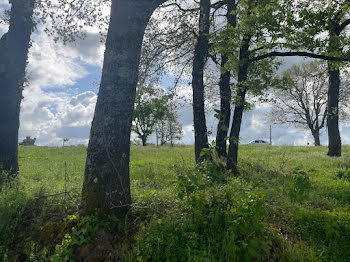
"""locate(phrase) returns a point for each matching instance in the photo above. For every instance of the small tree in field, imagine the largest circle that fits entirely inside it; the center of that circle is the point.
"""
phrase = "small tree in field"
(169, 129)
(150, 108)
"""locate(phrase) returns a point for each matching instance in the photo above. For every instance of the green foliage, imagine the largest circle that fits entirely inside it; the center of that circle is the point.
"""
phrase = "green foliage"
(221, 225)
(327, 232)
(206, 174)
(151, 106)
(202, 214)
(344, 171)
(310, 26)
(19, 213)
(298, 185)
(343, 174)
(81, 234)
(3, 178)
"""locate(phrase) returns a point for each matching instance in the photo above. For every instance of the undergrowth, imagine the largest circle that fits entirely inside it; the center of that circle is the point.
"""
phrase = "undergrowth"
(287, 204)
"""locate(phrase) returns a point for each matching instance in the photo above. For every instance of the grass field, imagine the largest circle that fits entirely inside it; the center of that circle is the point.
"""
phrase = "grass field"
(288, 204)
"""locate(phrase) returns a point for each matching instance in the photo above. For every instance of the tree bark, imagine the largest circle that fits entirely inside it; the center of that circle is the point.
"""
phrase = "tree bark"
(225, 109)
(14, 47)
(225, 91)
(316, 135)
(106, 187)
(232, 157)
(200, 56)
(334, 140)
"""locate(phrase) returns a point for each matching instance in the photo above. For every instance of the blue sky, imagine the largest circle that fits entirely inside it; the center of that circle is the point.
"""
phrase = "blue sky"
(60, 99)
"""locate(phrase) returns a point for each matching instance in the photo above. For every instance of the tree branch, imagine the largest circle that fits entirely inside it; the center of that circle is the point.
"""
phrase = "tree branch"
(306, 54)
(342, 26)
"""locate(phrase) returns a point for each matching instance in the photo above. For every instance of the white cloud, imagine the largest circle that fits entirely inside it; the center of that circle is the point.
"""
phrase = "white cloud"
(89, 50)
(51, 117)
(49, 111)
(49, 64)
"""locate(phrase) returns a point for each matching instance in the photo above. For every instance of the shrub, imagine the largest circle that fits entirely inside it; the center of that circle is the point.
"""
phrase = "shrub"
(81, 234)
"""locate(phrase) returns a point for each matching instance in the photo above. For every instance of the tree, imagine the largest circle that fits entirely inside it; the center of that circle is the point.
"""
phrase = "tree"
(199, 60)
(320, 27)
(150, 108)
(169, 129)
(264, 28)
(106, 187)
(176, 40)
(303, 100)
(68, 19)
(225, 89)
(14, 47)
(256, 33)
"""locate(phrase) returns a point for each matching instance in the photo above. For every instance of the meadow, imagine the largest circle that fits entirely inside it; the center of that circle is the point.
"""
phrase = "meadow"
(287, 204)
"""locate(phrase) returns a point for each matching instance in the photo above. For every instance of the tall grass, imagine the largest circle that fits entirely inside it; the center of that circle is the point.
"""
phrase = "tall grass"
(302, 205)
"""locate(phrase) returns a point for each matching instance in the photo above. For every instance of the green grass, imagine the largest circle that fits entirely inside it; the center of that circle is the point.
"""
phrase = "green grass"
(306, 195)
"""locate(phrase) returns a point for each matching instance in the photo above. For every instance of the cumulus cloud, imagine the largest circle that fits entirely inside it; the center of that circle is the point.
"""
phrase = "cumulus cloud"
(51, 117)
(89, 50)
(52, 108)
(48, 68)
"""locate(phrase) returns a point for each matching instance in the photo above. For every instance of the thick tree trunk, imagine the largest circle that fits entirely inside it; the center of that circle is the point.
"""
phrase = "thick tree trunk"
(106, 187)
(200, 56)
(225, 109)
(239, 105)
(14, 47)
(334, 140)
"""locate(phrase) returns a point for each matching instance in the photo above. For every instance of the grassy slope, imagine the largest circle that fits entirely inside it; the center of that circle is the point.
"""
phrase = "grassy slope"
(319, 222)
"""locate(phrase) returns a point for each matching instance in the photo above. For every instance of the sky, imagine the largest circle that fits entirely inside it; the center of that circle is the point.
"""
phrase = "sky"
(60, 98)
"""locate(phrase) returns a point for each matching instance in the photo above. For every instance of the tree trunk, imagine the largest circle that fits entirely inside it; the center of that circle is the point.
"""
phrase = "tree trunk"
(14, 47)
(225, 109)
(316, 135)
(334, 140)
(106, 187)
(144, 141)
(225, 91)
(157, 137)
(240, 104)
(232, 156)
(200, 56)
